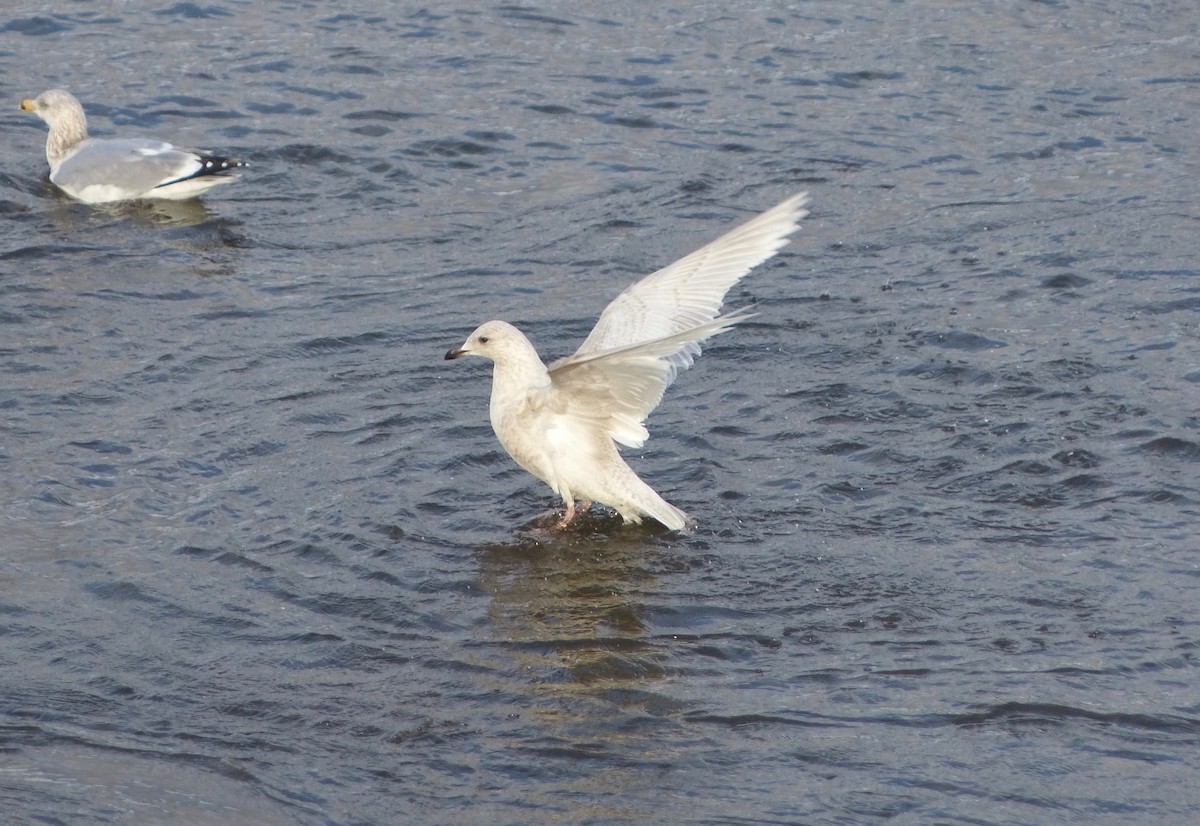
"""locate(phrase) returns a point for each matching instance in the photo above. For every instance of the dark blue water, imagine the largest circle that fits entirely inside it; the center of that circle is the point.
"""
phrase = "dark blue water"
(262, 560)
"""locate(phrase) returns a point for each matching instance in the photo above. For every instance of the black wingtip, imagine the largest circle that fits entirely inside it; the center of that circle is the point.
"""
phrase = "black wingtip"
(210, 165)
(217, 164)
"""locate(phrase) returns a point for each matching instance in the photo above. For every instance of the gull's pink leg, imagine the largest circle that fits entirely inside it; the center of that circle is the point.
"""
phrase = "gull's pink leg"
(568, 516)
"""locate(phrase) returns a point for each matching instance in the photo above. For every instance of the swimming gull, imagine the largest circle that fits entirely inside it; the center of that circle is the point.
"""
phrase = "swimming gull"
(560, 422)
(97, 171)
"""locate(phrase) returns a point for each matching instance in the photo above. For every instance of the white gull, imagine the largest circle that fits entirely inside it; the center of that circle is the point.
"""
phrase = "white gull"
(560, 422)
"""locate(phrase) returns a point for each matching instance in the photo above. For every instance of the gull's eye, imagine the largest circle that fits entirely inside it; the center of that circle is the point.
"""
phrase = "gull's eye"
(483, 339)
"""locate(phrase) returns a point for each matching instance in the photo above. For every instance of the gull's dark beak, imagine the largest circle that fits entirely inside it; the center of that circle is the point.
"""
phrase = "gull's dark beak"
(457, 352)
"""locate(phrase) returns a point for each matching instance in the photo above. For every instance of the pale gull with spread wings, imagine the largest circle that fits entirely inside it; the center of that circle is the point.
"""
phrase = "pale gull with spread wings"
(561, 422)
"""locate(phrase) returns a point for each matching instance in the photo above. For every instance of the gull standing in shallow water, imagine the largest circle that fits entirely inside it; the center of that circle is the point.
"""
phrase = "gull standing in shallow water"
(560, 422)
(98, 171)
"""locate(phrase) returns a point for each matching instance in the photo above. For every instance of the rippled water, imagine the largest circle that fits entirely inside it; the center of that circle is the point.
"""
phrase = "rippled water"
(264, 562)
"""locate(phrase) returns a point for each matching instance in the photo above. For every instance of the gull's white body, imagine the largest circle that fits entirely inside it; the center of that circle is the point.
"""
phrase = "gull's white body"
(562, 422)
(97, 171)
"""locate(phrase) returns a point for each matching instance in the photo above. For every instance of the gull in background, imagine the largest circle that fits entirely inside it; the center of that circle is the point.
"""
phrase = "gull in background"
(561, 422)
(98, 171)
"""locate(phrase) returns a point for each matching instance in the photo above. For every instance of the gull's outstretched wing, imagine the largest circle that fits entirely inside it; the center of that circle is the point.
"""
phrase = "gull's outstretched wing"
(690, 292)
(653, 329)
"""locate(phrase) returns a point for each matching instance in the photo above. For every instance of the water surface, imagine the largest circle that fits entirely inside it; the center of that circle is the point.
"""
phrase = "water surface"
(263, 561)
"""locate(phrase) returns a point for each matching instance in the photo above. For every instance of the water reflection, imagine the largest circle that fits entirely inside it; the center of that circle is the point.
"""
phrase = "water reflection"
(170, 213)
(569, 609)
(69, 214)
(572, 603)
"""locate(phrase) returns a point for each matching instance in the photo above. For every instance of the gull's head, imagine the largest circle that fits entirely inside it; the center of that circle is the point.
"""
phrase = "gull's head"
(54, 105)
(496, 340)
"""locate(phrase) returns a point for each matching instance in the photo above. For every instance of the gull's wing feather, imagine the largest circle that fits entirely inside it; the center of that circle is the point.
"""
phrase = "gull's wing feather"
(689, 292)
(138, 165)
(617, 389)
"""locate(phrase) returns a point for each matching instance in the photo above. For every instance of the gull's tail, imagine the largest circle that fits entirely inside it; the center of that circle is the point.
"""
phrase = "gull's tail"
(643, 500)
